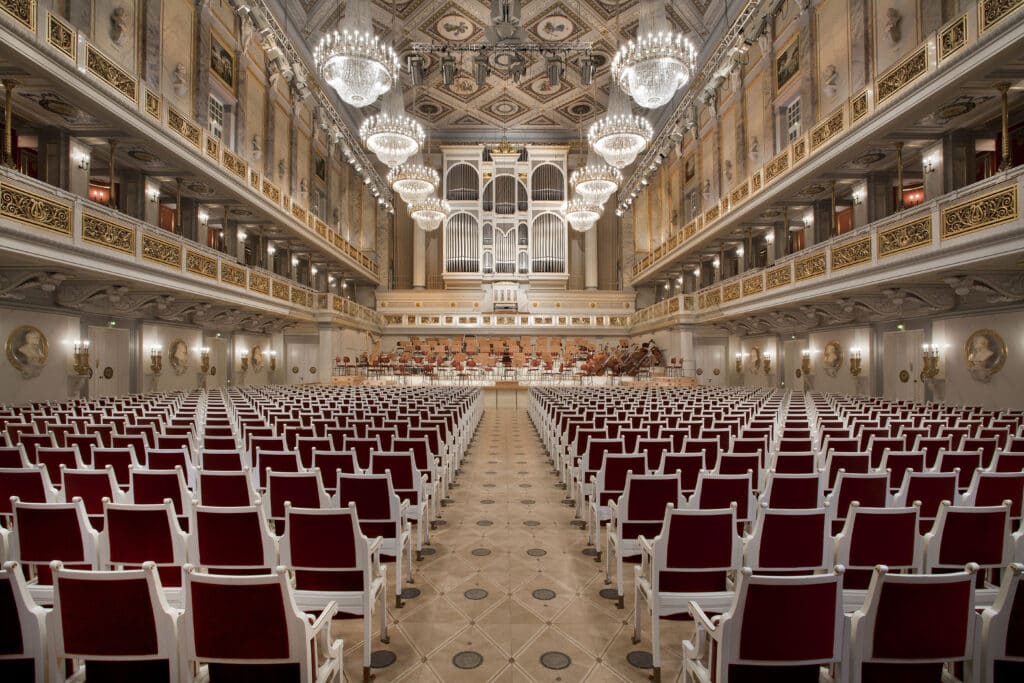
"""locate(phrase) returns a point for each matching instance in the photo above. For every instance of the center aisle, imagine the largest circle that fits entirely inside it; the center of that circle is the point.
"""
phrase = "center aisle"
(506, 592)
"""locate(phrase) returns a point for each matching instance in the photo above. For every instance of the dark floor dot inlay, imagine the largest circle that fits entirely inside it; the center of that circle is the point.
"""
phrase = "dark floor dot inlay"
(487, 501)
(590, 552)
(441, 522)
(475, 594)
(555, 660)
(641, 659)
(522, 472)
(489, 486)
(484, 522)
(528, 501)
(490, 472)
(544, 594)
(382, 658)
(410, 593)
(531, 522)
(525, 486)
(428, 551)
(609, 593)
(481, 552)
(467, 659)
(536, 552)
(577, 522)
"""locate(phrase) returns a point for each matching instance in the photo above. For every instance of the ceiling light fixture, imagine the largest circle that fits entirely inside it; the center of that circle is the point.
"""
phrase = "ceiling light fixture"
(391, 135)
(448, 69)
(596, 181)
(481, 69)
(555, 68)
(429, 213)
(619, 136)
(581, 213)
(413, 182)
(655, 64)
(358, 65)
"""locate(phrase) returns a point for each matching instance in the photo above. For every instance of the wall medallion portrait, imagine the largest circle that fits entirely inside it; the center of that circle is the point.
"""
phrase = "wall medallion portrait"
(222, 63)
(787, 63)
(985, 354)
(256, 358)
(832, 358)
(27, 350)
(177, 355)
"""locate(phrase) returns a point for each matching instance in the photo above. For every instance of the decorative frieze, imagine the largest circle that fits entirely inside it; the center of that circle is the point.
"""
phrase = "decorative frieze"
(755, 182)
(299, 213)
(859, 106)
(827, 129)
(690, 230)
(851, 253)
(711, 298)
(740, 193)
(986, 211)
(61, 35)
(779, 277)
(32, 209)
(952, 38)
(810, 266)
(993, 11)
(916, 233)
(902, 74)
(153, 104)
(22, 11)
(753, 284)
(110, 73)
(213, 148)
(232, 275)
(799, 150)
(271, 191)
(254, 180)
(183, 127)
(200, 264)
(776, 166)
(711, 214)
(161, 251)
(234, 164)
(259, 283)
(107, 234)
(280, 290)
(731, 291)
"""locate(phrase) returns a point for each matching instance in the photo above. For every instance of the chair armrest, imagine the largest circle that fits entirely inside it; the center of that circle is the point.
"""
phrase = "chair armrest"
(701, 619)
(403, 506)
(324, 618)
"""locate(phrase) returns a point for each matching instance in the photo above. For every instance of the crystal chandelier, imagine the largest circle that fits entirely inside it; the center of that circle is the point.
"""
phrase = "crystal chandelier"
(655, 64)
(582, 213)
(429, 213)
(619, 137)
(358, 65)
(414, 182)
(391, 135)
(595, 181)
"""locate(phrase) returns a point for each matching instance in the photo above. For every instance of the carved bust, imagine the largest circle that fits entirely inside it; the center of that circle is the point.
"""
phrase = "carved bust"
(893, 19)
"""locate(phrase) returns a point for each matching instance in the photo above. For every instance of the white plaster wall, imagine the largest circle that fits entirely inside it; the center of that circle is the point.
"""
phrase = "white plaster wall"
(243, 344)
(843, 382)
(54, 383)
(1003, 391)
(754, 375)
(163, 336)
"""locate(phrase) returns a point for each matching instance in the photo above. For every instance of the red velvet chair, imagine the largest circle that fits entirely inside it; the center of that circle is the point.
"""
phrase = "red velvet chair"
(411, 486)
(793, 491)
(150, 487)
(301, 489)
(869, 490)
(992, 488)
(226, 489)
(1002, 648)
(606, 485)
(718, 491)
(872, 536)
(928, 490)
(44, 532)
(23, 625)
(790, 542)
(231, 540)
(134, 534)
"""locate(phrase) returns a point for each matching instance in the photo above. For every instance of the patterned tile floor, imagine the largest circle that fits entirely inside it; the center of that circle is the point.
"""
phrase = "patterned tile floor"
(507, 593)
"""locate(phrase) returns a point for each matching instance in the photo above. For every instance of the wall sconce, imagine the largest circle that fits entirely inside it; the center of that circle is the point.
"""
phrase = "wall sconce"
(739, 363)
(153, 194)
(805, 361)
(204, 360)
(715, 262)
(769, 238)
(855, 362)
(273, 361)
(930, 360)
(766, 363)
(858, 198)
(204, 218)
(156, 360)
(81, 365)
(271, 249)
(82, 160)
(929, 164)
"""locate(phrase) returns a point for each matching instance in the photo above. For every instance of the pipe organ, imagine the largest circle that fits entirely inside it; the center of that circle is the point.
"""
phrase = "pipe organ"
(505, 224)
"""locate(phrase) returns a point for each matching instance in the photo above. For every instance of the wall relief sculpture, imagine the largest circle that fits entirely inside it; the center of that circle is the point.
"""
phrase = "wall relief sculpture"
(27, 351)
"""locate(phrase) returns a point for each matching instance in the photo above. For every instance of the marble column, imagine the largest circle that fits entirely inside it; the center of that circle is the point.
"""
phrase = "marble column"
(151, 25)
(419, 258)
(201, 75)
(590, 254)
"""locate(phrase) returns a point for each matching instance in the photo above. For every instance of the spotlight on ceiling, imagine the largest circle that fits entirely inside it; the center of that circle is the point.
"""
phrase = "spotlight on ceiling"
(448, 69)
(481, 69)
(517, 67)
(586, 69)
(414, 63)
(556, 69)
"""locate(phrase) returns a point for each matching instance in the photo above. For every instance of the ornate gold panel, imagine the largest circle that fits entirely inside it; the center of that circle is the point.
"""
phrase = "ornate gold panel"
(731, 291)
(213, 148)
(110, 73)
(107, 234)
(299, 213)
(32, 209)
(917, 233)
(986, 211)
(902, 74)
(22, 11)
(61, 35)
(740, 193)
(711, 214)
(776, 166)
(200, 264)
(991, 12)
(753, 284)
(778, 277)
(712, 298)
(827, 129)
(153, 104)
(280, 290)
(161, 251)
(234, 164)
(810, 266)
(952, 38)
(755, 182)
(799, 150)
(259, 283)
(687, 303)
(338, 304)
(851, 253)
(183, 127)
(254, 179)
(859, 106)
(690, 230)
(271, 191)
(232, 275)
(673, 305)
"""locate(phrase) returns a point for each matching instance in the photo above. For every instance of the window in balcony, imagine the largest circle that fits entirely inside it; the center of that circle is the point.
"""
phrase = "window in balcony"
(792, 118)
(216, 118)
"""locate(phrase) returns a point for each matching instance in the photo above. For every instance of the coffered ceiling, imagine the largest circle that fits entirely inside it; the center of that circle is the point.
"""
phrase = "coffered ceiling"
(532, 109)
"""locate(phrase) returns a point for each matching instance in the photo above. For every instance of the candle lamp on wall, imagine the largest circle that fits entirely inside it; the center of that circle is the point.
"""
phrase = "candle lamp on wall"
(273, 361)
(767, 363)
(204, 360)
(930, 361)
(81, 366)
(805, 361)
(855, 362)
(245, 363)
(156, 360)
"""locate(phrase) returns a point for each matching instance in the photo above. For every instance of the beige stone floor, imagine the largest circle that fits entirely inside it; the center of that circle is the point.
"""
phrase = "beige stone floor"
(509, 628)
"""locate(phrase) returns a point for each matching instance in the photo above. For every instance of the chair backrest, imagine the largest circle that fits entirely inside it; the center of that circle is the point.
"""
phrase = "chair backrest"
(231, 460)
(150, 487)
(1008, 461)
(86, 443)
(695, 550)
(688, 465)
(929, 489)
(306, 445)
(790, 541)
(363, 447)
(793, 491)
(139, 635)
(916, 618)
(122, 460)
(643, 503)
(167, 459)
(14, 457)
(762, 628)
(28, 484)
(794, 463)
(876, 535)
(964, 534)
(719, 491)
(276, 461)
(326, 549)
(231, 539)
(738, 463)
(405, 477)
(136, 442)
(878, 445)
(870, 490)
(899, 463)
(22, 628)
(92, 486)
(966, 462)
(44, 532)
(1003, 622)
(854, 463)
(611, 478)
(992, 488)
(709, 447)
(301, 489)
(134, 534)
(227, 488)
(376, 502)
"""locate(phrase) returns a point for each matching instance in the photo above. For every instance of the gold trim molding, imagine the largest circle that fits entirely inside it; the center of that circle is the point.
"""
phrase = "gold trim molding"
(810, 266)
(824, 132)
(32, 209)
(852, 253)
(110, 73)
(911, 235)
(259, 283)
(232, 275)
(200, 264)
(779, 277)
(183, 127)
(161, 251)
(753, 285)
(61, 36)
(902, 74)
(986, 211)
(952, 38)
(991, 12)
(107, 234)
(22, 11)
